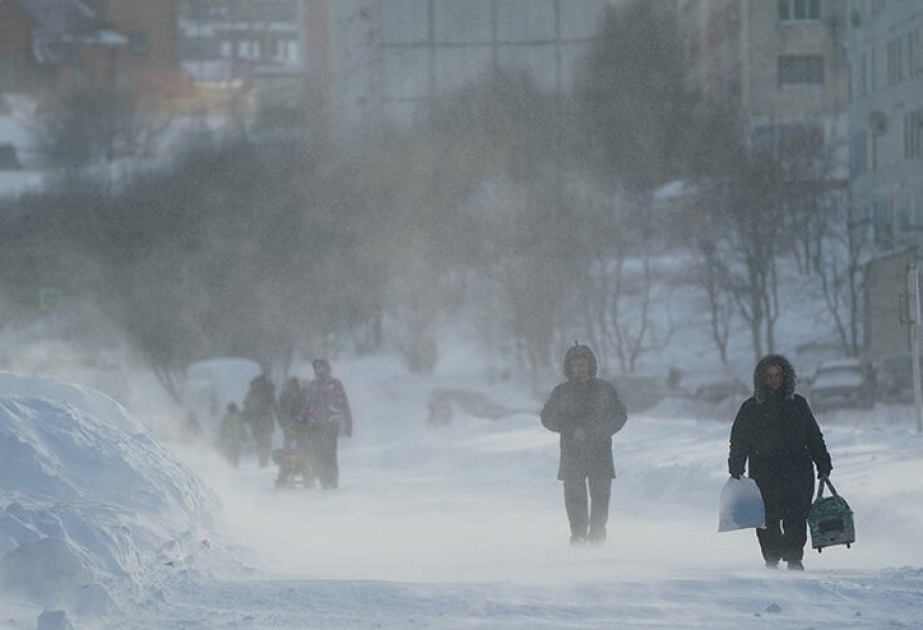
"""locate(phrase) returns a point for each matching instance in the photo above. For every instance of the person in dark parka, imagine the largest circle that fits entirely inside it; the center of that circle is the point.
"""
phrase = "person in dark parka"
(328, 416)
(776, 434)
(260, 411)
(587, 412)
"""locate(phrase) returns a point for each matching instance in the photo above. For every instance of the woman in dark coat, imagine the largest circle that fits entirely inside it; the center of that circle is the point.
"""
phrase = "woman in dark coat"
(587, 412)
(329, 416)
(260, 413)
(776, 433)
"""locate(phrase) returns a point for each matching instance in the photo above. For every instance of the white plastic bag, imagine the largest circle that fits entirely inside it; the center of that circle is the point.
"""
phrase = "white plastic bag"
(740, 505)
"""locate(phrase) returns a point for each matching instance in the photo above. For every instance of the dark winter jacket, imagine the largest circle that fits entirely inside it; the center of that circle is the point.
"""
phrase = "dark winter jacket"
(591, 405)
(327, 404)
(778, 436)
(260, 405)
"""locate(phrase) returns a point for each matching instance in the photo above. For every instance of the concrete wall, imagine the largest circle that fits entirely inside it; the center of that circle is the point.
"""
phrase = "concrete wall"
(886, 330)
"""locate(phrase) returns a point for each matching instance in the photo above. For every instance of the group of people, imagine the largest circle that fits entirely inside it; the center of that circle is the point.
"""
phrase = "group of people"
(775, 438)
(312, 416)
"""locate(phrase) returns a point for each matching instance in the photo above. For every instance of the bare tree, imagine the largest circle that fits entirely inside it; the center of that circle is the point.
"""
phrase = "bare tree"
(840, 269)
(713, 278)
(496, 157)
(615, 299)
(745, 233)
(823, 224)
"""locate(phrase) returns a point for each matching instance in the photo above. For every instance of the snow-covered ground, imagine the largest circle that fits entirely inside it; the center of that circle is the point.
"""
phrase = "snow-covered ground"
(110, 521)
(104, 526)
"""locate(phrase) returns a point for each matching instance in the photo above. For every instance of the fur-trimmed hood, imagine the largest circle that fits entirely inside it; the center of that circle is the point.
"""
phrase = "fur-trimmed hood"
(578, 351)
(789, 378)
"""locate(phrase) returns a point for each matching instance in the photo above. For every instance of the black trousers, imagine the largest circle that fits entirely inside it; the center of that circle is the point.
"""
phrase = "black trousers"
(586, 500)
(262, 436)
(322, 445)
(786, 531)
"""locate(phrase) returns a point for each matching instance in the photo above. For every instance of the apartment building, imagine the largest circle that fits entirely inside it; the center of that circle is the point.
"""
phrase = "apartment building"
(233, 37)
(246, 58)
(782, 64)
(370, 61)
(48, 46)
(885, 51)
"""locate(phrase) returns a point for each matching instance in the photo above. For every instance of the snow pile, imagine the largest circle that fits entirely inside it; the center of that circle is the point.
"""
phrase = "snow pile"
(91, 502)
(449, 527)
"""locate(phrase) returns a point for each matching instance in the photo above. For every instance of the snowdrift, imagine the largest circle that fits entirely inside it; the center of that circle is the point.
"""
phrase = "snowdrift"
(90, 501)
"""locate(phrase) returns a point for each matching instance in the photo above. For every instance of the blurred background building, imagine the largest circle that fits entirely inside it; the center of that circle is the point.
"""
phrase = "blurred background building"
(834, 79)
(782, 67)
(49, 46)
(383, 61)
(885, 48)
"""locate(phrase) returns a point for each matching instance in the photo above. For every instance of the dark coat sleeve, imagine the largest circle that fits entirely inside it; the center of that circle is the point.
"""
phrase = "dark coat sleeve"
(814, 440)
(343, 402)
(614, 414)
(741, 438)
(553, 413)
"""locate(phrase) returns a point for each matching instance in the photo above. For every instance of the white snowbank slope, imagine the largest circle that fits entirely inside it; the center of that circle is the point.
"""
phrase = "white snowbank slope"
(460, 527)
(90, 501)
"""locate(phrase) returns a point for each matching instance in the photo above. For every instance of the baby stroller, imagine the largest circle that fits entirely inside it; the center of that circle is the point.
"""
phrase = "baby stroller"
(293, 468)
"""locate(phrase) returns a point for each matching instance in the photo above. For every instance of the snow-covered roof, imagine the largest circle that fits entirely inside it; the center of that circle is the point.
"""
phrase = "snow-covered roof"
(677, 189)
(59, 16)
(58, 24)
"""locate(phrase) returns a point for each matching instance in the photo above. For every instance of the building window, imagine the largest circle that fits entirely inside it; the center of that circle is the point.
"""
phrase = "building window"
(763, 138)
(801, 70)
(799, 10)
(883, 222)
(857, 153)
(864, 75)
(800, 139)
(913, 124)
(877, 7)
(873, 71)
(139, 42)
(916, 210)
(8, 81)
(900, 55)
(914, 50)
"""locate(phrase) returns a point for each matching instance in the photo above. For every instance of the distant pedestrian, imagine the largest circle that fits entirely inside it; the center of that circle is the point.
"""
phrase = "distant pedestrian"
(292, 403)
(328, 416)
(777, 437)
(586, 411)
(260, 413)
(231, 434)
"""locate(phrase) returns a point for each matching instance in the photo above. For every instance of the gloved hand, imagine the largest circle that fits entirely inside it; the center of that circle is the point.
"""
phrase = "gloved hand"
(821, 474)
(735, 475)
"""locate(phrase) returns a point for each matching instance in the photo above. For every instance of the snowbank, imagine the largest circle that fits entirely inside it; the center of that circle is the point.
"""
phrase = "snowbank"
(90, 500)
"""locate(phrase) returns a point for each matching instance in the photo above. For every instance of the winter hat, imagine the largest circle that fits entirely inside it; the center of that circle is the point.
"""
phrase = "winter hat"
(575, 352)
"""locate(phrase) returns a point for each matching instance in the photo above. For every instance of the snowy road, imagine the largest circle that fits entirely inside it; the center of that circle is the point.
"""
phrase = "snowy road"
(464, 528)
